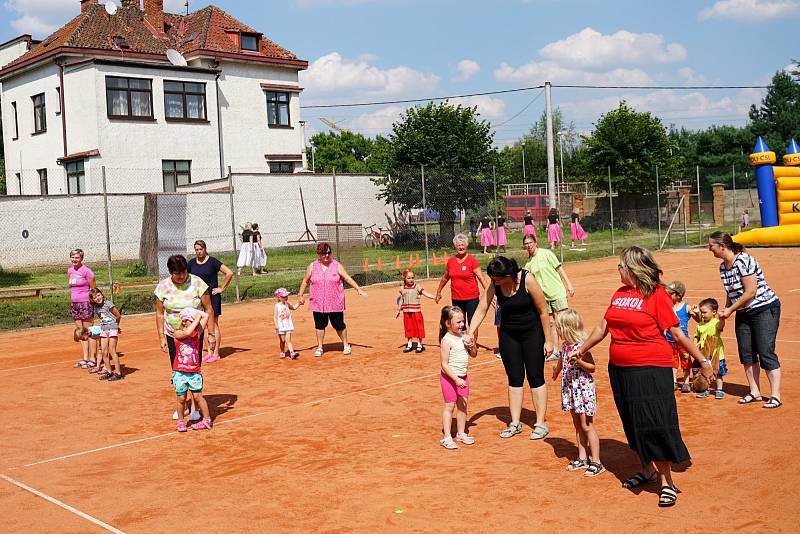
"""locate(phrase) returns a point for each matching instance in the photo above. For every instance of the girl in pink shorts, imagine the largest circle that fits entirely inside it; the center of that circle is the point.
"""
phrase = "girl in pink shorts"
(456, 350)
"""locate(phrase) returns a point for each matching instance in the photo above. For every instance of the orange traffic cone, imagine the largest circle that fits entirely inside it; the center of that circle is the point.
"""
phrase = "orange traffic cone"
(379, 265)
(366, 265)
(397, 263)
(410, 261)
(444, 257)
(435, 261)
(418, 262)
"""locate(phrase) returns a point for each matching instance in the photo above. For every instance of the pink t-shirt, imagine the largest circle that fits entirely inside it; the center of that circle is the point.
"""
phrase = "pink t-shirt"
(187, 354)
(326, 293)
(79, 282)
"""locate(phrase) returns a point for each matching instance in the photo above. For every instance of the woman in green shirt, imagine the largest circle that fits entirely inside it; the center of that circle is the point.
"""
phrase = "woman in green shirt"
(550, 274)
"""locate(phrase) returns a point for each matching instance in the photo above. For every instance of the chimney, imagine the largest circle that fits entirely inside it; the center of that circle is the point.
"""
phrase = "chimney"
(86, 4)
(154, 14)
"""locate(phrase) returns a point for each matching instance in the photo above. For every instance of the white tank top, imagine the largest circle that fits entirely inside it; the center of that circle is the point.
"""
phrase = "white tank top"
(459, 357)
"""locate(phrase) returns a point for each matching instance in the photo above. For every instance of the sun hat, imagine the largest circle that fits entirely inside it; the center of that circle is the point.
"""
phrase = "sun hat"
(676, 287)
(281, 292)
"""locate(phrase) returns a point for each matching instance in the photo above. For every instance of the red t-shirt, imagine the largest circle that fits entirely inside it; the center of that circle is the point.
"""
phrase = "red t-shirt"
(637, 328)
(462, 277)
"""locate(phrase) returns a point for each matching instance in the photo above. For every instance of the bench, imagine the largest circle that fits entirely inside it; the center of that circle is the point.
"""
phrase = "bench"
(24, 293)
(117, 287)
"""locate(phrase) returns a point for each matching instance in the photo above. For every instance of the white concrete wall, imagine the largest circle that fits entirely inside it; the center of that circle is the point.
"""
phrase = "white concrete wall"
(56, 224)
(12, 51)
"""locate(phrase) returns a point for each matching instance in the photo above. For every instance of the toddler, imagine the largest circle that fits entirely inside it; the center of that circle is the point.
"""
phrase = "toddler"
(680, 358)
(456, 349)
(578, 392)
(409, 305)
(708, 337)
(283, 323)
(186, 375)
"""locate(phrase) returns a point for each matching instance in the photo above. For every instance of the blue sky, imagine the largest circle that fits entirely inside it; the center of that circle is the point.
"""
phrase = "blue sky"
(374, 50)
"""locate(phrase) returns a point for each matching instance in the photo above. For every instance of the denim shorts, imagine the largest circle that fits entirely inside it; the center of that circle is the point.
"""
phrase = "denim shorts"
(755, 336)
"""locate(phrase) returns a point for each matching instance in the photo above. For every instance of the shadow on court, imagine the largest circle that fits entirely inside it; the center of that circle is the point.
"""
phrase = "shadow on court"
(224, 352)
(220, 403)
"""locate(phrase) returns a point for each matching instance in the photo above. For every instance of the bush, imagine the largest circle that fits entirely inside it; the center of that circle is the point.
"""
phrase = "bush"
(137, 269)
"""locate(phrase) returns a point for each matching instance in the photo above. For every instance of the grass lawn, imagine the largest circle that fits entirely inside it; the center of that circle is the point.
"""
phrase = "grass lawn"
(286, 267)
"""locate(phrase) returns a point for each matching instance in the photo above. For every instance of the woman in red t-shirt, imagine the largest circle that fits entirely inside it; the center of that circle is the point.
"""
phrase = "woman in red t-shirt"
(640, 369)
(464, 271)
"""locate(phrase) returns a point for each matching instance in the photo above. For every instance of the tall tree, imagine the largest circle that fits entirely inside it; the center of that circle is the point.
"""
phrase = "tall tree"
(346, 152)
(777, 120)
(454, 146)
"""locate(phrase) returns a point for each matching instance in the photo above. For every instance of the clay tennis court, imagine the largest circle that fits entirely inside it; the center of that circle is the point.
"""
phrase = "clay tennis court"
(341, 444)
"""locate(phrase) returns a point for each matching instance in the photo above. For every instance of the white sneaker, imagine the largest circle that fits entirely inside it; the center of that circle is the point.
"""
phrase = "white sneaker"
(499, 357)
(175, 414)
(195, 416)
(553, 357)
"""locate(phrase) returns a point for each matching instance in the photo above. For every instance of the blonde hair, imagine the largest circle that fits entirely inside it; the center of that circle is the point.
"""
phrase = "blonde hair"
(639, 262)
(79, 333)
(570, 326)
(448, 312)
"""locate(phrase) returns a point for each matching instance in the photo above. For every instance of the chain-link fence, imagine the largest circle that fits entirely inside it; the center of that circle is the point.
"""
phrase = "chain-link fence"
(265, 226)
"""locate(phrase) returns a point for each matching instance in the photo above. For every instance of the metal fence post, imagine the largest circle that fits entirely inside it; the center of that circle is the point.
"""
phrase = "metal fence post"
(496, 230)
(733, 179)
(658, 205)
(686, 211)
(108, 232)
(233, 233)
(611, 208)
(425, 222)
(699, 211)
(336, 215)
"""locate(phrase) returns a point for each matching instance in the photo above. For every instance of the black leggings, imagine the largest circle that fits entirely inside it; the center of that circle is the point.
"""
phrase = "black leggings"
(523, 355)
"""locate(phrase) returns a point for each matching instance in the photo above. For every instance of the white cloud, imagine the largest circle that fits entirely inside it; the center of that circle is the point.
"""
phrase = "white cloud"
(42, 17)
(491, 109)
(317, 3)
(333, 76)
(537, 72)
(590, 48)
(750, 10)
(376, 122)
(690, 77)
(467, 68)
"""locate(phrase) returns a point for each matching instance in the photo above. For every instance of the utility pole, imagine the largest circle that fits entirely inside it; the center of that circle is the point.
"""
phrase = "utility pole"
(551, 170)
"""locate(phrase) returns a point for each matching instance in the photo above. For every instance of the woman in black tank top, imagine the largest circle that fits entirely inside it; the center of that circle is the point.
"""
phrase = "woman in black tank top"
(524, 338)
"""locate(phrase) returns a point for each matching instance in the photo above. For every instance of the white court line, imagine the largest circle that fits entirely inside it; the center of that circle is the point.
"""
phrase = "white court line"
(794, 290)
(63, 505)
(258, 414)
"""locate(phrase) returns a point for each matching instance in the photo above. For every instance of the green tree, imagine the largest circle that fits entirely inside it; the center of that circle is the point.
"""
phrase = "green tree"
(777, 120)
(346, 152)
(454, 146)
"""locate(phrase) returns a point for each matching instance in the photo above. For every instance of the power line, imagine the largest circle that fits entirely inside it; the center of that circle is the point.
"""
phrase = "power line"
(520, 111)
(521, 89)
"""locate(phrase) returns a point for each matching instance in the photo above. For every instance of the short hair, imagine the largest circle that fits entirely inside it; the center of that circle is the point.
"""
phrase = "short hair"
(527, 237)
(200, 243)
(460, 237)
(76, 251)
(177, 264)
(711, 303)
(254, 226)
(502, 267)
(323, 248)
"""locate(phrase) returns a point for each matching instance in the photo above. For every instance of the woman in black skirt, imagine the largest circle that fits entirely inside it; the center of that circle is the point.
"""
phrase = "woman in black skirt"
(640, 369)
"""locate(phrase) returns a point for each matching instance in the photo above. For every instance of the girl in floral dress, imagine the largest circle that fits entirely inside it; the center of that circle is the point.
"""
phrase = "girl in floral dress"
(578, 394)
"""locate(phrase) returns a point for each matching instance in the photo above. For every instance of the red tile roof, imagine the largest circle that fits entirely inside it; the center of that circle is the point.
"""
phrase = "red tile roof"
(207, 31)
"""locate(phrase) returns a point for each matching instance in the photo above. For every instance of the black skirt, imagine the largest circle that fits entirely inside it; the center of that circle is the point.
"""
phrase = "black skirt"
(645, 399)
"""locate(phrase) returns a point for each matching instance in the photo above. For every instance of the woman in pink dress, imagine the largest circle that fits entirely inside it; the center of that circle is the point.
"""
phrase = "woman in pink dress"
(529, 228)
(576, 231)
(326, 296)
(487, 235)
(553, 228)
(502, 239)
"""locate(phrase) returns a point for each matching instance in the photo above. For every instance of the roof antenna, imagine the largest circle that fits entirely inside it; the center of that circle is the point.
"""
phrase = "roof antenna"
(186, 5)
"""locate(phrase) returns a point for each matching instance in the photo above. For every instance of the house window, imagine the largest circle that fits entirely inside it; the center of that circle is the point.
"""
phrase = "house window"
(76, 178)
(250, 42)
(129, 98)
(39, 114)
(185, 100)
(277, 108)
(16, 121)
(42, 181)
(281, 166)
(175, 173)
(19, 181)
(58, 99)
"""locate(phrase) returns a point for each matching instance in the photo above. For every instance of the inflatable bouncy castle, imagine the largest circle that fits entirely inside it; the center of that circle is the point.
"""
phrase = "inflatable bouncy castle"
(778, 198)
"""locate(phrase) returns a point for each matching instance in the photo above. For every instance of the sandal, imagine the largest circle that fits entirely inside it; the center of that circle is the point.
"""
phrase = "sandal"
(772, 403)
(511, 430)
(81, 363)
(98, 369)
(347, 350)
(594, 469)
(539, 431)
(639, 479)
(88, 364)
(318, 352)
(575, 465)
(667, 497)
(448, 443)
(466, 439)
(749, 398)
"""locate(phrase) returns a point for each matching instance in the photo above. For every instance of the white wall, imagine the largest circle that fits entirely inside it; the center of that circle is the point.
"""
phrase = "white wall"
(12, 50)
(57, 224)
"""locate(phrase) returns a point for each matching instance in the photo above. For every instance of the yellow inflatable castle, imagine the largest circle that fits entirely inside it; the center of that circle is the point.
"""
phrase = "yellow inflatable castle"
(778, 198)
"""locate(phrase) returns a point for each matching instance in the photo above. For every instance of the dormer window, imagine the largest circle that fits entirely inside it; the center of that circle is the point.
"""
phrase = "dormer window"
(120, 42)
(250, 42)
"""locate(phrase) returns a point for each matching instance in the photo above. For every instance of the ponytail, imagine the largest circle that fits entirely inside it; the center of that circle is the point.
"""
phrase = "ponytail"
(725, 239)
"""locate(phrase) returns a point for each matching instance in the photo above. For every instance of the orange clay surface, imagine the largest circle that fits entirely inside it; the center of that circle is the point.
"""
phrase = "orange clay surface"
(342, 444)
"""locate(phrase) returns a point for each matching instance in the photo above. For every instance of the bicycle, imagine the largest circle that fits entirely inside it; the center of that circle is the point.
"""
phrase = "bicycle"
(377, 238)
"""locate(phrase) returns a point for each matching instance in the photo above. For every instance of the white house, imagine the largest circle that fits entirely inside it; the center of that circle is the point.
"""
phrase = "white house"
(102, 92)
